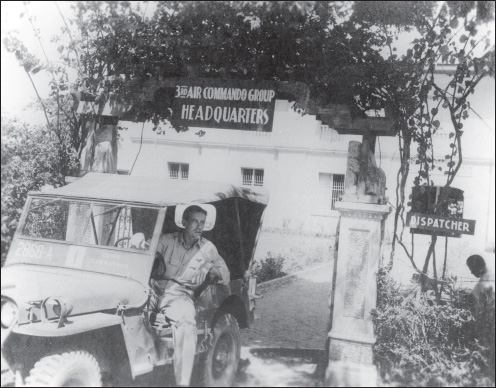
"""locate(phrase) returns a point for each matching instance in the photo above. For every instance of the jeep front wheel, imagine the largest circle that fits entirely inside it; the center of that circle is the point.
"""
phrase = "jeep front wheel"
(222, 359)
(73, 369)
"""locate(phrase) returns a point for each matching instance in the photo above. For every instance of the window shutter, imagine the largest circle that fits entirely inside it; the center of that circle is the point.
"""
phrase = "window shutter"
(184, 171)
(174, 170)
(247, 176)
(259, 174)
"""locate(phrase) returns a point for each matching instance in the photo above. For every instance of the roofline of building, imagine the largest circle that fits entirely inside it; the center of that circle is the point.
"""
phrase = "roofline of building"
(343, 153)
(277, 149)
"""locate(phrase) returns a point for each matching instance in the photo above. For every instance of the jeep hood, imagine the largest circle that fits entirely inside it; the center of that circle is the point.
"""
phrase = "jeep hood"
(87, 291)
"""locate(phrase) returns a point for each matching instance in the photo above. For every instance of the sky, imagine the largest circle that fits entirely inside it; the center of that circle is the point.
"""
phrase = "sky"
(17, 90)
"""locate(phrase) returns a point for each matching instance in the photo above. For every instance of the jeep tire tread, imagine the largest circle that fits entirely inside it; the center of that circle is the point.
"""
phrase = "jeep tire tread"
(221, 363)
(72, 369)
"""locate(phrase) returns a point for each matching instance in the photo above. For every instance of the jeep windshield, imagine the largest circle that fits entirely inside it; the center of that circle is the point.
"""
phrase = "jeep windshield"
(88, 222)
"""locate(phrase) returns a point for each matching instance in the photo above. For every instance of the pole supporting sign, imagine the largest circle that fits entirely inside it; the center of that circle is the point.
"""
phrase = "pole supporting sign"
(226, 104)
(443, 225)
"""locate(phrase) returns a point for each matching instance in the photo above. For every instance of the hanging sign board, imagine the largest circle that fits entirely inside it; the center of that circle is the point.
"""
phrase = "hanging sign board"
(438, 224)
(444, 208)
(227, 104)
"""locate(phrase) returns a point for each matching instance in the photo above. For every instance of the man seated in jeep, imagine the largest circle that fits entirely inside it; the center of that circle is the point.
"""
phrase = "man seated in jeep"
(188, 259)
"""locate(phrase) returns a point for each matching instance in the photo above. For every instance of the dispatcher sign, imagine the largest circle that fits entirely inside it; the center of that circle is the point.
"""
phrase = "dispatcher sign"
(227, 104)
(440, 224)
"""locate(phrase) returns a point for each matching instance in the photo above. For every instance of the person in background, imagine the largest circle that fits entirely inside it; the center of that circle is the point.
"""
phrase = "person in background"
(483, 293)
(482, 302)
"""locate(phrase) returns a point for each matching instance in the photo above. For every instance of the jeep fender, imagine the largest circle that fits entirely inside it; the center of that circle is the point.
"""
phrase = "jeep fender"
(235, 306)
(74, 325)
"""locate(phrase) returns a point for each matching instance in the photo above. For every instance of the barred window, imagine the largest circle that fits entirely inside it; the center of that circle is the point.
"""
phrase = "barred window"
(252, 176)
(178, 170)
(333, 187)
(337, 188)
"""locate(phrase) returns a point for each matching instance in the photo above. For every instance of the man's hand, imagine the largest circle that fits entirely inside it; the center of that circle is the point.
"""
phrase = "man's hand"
(201, 273)
(161, 322)
(138, 241)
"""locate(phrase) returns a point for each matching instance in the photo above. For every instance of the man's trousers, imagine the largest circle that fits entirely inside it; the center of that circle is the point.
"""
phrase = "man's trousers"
(181, 311)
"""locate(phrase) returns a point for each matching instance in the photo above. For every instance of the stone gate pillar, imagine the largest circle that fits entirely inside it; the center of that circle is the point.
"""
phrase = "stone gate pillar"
(352, 334)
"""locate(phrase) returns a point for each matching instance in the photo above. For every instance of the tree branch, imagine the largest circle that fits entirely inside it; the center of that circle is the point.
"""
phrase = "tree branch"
(70, 34)
(40, 100)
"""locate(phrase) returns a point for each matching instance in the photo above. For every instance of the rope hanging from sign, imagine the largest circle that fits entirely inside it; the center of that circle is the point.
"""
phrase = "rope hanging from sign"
(139, 150)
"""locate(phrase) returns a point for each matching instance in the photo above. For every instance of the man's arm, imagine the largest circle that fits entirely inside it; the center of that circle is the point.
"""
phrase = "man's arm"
(219, 269)
(214, 264)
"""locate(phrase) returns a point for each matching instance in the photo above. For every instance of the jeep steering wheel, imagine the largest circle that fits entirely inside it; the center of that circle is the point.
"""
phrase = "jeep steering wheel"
(121, 239)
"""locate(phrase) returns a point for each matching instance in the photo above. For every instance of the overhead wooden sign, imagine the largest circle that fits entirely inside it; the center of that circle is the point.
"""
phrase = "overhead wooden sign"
(249, 105)
(227, 104)
(445, 225)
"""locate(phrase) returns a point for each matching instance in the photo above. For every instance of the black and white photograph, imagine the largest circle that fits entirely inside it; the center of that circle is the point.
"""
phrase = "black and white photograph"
(248, 193)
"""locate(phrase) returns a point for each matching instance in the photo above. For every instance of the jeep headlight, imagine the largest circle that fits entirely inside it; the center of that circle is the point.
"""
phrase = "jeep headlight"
(10, 314)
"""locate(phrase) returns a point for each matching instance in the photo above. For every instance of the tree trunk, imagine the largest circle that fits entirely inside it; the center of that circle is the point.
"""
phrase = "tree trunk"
(423, 277)
(100, 151)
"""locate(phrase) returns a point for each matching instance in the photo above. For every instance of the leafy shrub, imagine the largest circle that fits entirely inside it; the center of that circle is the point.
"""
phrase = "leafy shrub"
(424, 343)
(31, 157)
(268, 268)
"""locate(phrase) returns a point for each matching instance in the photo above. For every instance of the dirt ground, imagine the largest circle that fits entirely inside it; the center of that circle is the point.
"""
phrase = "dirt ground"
(293, 313)
(286, 343)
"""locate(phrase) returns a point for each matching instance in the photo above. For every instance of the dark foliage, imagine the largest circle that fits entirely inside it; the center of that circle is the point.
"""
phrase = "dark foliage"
(268, 268)
(421, 342)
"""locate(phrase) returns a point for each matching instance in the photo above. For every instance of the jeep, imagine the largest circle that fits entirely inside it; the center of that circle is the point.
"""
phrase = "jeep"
(76, 294)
